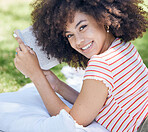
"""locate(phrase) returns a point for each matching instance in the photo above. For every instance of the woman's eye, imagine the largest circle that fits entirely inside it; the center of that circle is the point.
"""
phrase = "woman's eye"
(82, 27)
(69, 36)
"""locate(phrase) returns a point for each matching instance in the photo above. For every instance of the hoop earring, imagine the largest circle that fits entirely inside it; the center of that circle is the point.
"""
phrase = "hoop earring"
(107, 29)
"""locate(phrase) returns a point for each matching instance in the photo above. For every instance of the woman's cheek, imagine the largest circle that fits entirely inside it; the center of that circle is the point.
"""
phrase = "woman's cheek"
(72, 44)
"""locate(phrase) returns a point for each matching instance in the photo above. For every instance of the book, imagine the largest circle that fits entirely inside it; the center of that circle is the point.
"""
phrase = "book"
(29, 39)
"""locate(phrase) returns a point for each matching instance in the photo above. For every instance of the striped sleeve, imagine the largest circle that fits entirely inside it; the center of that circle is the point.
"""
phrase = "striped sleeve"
(98, 69)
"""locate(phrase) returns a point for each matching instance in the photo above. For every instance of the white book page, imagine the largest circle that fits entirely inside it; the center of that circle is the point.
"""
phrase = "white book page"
(29, 39)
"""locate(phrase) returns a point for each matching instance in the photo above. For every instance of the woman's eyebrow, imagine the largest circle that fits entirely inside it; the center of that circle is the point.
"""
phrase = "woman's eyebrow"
(79, 23)
(76, 25)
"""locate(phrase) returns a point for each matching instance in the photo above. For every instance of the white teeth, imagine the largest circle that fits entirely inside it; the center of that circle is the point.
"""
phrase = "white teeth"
(87, 46)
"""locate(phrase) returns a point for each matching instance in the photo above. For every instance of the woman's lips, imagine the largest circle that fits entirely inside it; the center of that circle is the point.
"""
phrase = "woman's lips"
(87, 47)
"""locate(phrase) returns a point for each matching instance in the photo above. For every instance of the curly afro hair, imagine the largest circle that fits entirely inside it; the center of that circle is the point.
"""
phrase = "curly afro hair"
(126, 19)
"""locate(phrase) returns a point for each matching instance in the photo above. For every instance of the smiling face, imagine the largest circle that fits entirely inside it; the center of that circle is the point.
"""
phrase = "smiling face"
(86, 36)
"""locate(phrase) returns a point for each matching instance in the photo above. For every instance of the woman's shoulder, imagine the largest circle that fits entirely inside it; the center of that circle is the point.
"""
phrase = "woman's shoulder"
(115, 44)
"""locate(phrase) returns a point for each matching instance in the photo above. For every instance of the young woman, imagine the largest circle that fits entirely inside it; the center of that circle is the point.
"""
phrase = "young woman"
(94, 35)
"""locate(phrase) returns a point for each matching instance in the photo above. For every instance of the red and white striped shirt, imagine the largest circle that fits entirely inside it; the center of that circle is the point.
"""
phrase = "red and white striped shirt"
(124, 73)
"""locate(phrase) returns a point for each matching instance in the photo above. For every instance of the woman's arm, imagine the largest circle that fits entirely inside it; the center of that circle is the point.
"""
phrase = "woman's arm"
(52, 102)
(67, 92)
(60, 87)
(86, 107)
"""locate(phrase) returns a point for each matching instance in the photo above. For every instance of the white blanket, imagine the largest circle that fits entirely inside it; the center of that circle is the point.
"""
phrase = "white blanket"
(24, 111)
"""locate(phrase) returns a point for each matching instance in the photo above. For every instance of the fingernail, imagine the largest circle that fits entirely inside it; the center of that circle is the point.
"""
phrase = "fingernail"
(15, 52)
(14, 35)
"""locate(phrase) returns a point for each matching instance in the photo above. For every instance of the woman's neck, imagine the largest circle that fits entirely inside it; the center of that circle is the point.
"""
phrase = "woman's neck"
(109, 39)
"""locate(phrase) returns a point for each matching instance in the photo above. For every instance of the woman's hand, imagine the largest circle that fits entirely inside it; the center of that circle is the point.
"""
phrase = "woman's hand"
(52, 79)
(26, 60)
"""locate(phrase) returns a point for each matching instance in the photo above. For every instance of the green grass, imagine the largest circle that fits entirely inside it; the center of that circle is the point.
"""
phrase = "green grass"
(142, 47)
(16, 15)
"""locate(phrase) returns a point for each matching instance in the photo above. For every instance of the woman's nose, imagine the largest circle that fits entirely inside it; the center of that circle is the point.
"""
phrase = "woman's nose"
(79, 40)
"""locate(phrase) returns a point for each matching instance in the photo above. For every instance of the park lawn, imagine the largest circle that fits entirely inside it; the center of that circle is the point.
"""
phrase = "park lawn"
(14, 14)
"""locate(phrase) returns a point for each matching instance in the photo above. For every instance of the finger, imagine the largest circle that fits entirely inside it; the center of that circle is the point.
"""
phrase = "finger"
(16, 36)
(31, 50)
(23, 47)
(17, 51)
(19, 40)
(47, 72)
